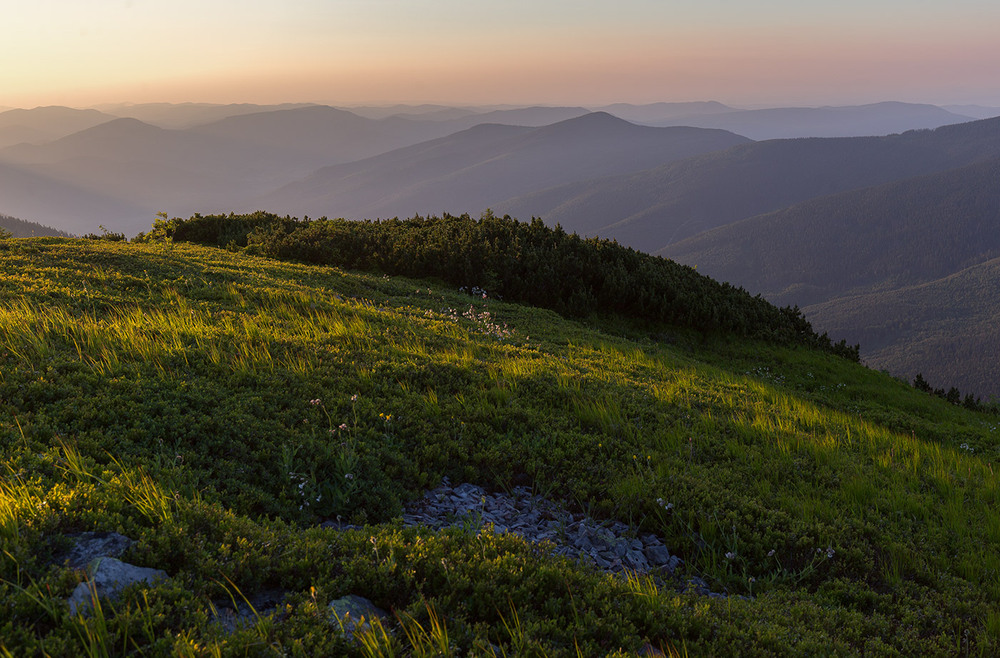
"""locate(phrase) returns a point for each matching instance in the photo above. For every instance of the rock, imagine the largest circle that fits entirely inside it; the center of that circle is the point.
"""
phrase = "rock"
(636, 561)
(658, 555)
(108, 577)
(352, 612)
(88, 546)
(263, 604)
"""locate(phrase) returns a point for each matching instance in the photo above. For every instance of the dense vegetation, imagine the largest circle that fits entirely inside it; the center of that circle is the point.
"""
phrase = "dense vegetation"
(521, 262)
(166, 391)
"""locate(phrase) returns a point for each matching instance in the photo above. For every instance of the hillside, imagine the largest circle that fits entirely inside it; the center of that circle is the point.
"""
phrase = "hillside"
(68, 207)
(20, 228)
(948, 330)
(829, 254)
(473, 169)
(44, 124)
(657, 207)
(322, 135)
(210, 405)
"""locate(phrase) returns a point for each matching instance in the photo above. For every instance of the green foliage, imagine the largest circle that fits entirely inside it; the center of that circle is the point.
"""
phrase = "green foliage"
(181, 395)
(521, 262)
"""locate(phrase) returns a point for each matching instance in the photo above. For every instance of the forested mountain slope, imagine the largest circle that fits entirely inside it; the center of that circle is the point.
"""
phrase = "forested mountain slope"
(655, 208)
(20, 228)
(947, 330)
(889, 236)
(471, 170)
(881, 266)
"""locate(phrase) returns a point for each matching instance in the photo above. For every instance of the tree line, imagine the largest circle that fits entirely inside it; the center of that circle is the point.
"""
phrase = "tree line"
(524, 262)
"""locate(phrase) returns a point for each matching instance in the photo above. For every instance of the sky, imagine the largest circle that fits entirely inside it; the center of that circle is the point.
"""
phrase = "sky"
(576, 52)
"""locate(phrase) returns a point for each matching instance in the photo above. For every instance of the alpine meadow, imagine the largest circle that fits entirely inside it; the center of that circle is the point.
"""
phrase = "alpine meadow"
(253, 401)
(521, 329)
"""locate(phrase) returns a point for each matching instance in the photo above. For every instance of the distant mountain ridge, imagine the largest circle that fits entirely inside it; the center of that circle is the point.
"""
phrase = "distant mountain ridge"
(20, 228)
(654, 208)
(846, 121)
(476, 168)
(43, 124)
(902, 268)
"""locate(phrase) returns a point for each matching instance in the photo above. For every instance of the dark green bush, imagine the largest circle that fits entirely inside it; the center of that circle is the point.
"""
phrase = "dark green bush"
(517, 261)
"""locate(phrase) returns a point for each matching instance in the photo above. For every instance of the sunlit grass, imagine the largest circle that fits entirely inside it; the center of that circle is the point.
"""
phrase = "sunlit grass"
(766, 467)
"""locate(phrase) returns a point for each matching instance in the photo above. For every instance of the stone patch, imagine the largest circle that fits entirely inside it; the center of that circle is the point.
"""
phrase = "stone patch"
(608, 545)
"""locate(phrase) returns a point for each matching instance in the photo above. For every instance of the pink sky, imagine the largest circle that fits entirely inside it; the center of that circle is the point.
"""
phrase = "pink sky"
(548, 51)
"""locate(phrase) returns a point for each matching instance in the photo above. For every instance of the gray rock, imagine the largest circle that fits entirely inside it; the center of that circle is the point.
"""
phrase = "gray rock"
(636, 561)
(88, 546)
(353, 612)
(108, 577)
(235, 614)
(658, 555)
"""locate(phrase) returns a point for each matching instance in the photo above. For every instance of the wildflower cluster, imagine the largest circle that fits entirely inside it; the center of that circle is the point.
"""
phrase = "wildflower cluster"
(328, 493)
(483, 322)
(764, 372)
(666, 506)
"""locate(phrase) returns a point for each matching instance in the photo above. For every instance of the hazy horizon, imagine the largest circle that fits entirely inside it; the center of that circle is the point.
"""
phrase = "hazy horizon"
(553, 52)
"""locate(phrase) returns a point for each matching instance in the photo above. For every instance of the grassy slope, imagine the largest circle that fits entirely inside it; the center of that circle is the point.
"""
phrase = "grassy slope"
(196, 367)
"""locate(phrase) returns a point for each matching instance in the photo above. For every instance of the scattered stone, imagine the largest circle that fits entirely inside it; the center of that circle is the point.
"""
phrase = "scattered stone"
(609, 546)
(658, 554)
(88, 546)
(246, 612)
(352, 612)
(108, 577)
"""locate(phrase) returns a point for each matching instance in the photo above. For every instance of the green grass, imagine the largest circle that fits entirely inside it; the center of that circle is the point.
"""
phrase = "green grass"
(167, 391)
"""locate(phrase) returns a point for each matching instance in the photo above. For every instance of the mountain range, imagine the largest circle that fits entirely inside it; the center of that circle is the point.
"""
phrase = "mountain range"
(849, 121)
(654, 208)
(856, 230)
(476, 168)
(891, 267)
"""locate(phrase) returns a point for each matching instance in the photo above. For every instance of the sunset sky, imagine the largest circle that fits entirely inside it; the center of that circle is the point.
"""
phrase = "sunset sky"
(741, 52)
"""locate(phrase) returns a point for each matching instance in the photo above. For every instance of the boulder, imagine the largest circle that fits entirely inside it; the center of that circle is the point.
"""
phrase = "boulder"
(353, 612)
(108, 576)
